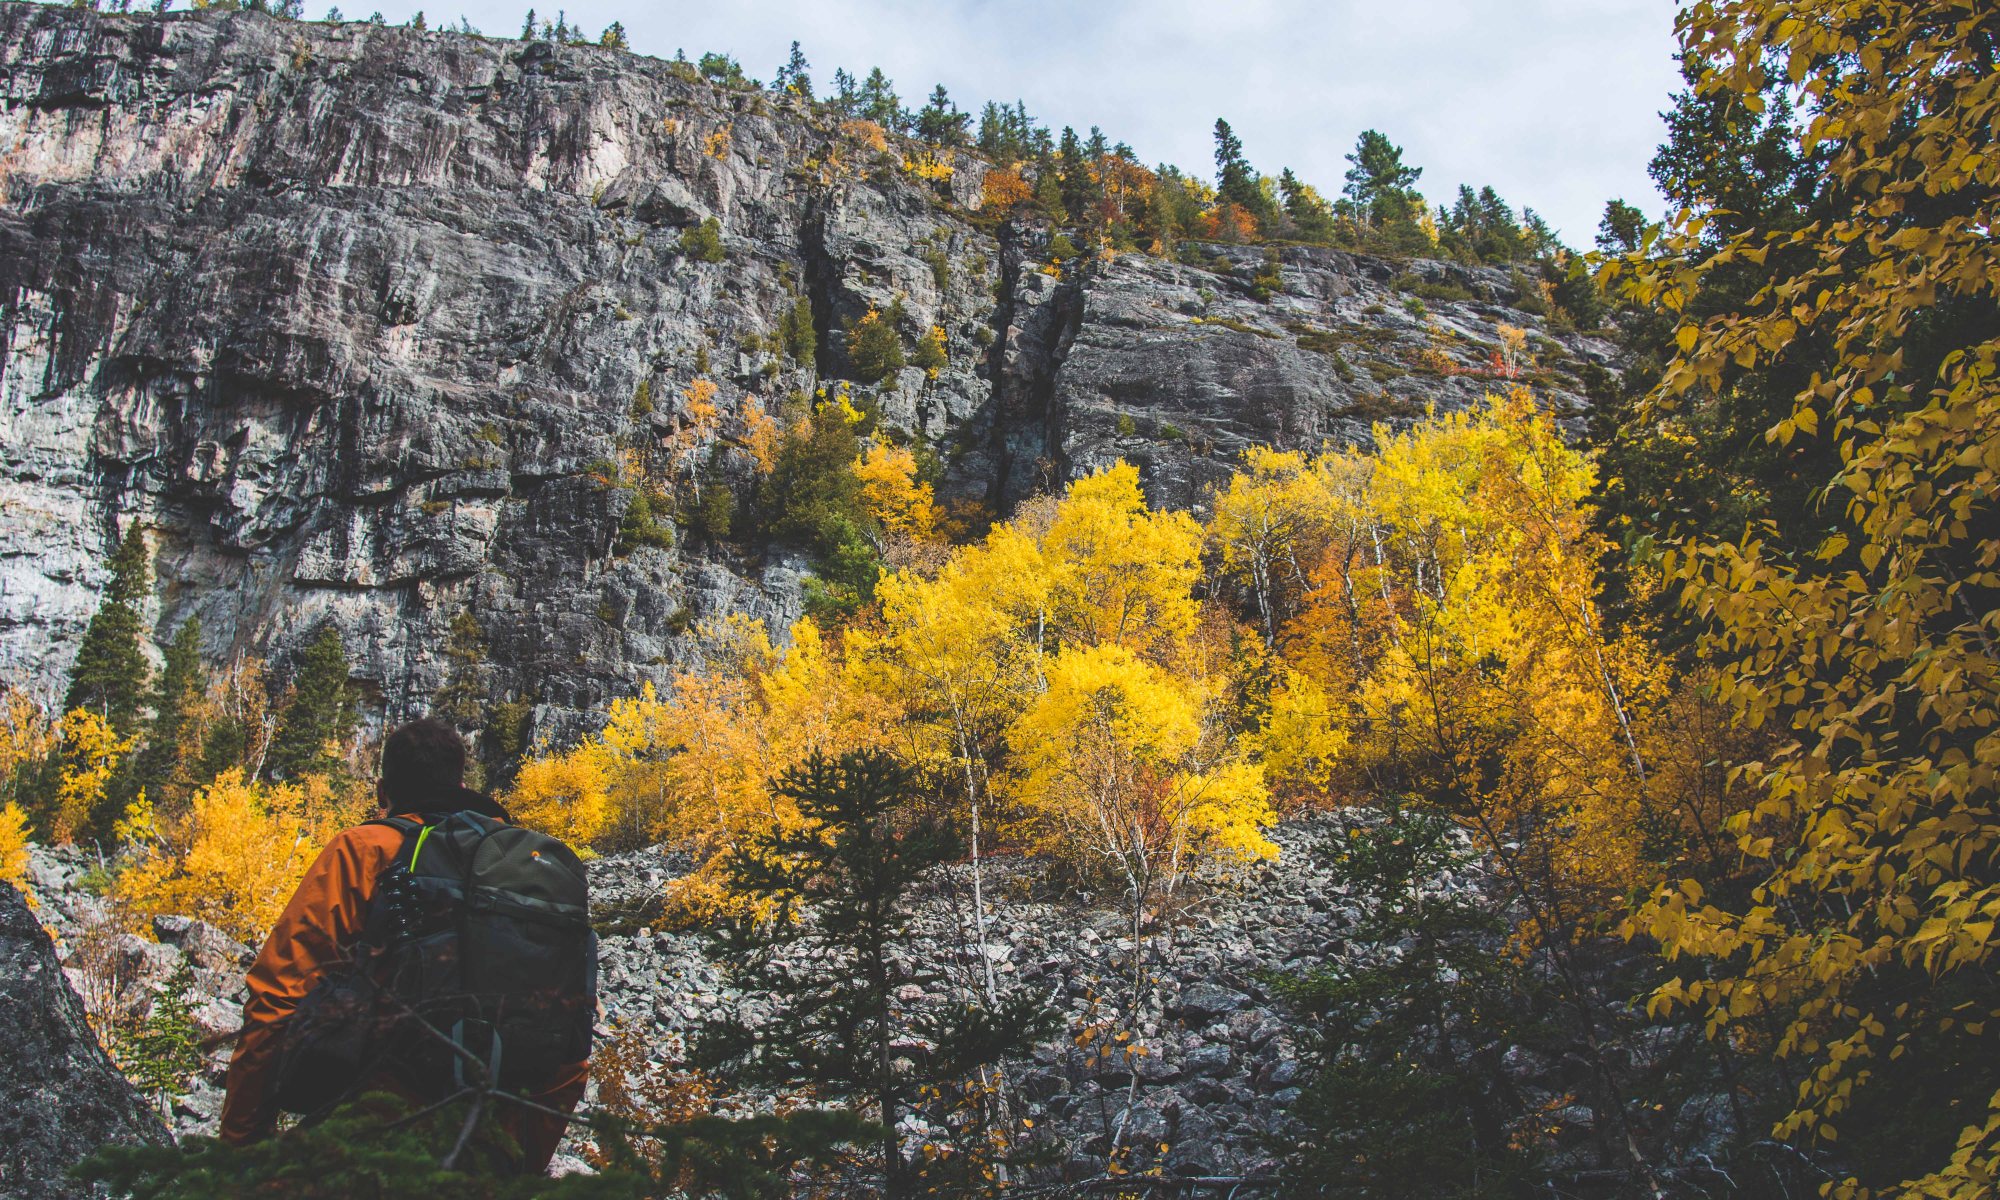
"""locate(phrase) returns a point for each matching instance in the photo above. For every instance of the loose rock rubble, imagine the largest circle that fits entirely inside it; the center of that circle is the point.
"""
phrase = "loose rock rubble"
(1216, 1061)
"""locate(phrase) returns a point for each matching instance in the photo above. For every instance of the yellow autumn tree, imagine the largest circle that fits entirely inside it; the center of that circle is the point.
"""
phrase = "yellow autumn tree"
(1461, 631)
(89, 750)
(13, 844)
(695, 766)
(234, 857)
(25, 741)
(1119, 573)
(894, 495)
(1265, 526)
(1866, 934)
(1133, 766)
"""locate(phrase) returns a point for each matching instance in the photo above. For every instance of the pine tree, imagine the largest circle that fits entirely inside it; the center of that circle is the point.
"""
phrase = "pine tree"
(795, 329)
(1378, 183)
(795, 75)
(1622, 229)
(321, 715)
(879, 103)
(837, 975)
(613, 37)
(1394, 1107)
(462, 699)
(1235, 182)
(162, 1056)
(109, 677)
(1308, 213)
(940, 123)
(169, 766)
(1078, 184)
(846, 97)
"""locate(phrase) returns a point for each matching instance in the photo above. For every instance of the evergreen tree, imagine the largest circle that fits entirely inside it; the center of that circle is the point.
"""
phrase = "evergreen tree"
(169, 766)
(376, 1147)
(1377, 181)
(940, 123)
(879, 102)
(795, 76)
(875, 344)
(846, 97)
(1307, 211)
(722, 69)
(1405, 1099)
(462, 699)
(1235, 182)
(109, 677)
(320, 717)
(1622, 229)
(1712, 470)
(613, 37)
(162, 1056)
(835, 955)
(796, 331)
(1076, 182)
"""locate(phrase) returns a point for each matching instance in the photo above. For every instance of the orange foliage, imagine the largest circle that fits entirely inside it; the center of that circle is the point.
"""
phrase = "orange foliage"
(1004, 189)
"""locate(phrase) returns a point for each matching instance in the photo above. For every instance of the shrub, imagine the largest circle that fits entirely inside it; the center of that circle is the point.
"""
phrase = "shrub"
(874, 346)
(703, 242)
(795, 331)
(1269, 280)
(930, 353)
(641, 527)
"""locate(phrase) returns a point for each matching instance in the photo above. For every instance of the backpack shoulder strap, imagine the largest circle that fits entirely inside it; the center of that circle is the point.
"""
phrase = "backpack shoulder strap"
(412, 831)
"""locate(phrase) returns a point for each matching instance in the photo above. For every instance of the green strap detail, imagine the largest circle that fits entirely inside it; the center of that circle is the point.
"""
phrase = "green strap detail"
(420, 846)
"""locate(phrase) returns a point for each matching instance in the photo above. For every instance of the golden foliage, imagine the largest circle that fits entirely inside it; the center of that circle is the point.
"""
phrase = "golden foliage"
(25, 737)
(867, 133)
(1432, 607)
(1131, 763)
(902, 503)
(1872, 661)
(1004, 189)
(90, 751)
(236, 855)
(760, 434)
(13, 845)
(929, 165)
(696, 766)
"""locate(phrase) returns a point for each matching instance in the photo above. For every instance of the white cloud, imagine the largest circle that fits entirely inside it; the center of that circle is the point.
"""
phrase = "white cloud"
(1554, 102)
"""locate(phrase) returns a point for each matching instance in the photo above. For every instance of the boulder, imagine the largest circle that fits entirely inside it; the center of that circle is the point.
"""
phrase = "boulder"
(1204, 1002)
(61, 1097)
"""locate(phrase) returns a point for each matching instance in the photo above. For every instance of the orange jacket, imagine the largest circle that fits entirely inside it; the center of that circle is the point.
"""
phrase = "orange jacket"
(315, 931)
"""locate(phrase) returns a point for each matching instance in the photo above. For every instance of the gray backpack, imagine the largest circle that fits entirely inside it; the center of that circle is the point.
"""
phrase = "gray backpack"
(477, 960)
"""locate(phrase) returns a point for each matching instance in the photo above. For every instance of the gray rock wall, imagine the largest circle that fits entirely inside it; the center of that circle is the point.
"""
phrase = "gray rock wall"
(350, 318)
(61, 1098)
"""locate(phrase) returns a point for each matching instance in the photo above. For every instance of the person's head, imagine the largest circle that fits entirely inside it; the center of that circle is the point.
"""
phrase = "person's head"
(423, 766)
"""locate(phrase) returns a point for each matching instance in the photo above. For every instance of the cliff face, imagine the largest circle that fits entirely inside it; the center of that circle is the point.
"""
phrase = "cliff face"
(350, 318)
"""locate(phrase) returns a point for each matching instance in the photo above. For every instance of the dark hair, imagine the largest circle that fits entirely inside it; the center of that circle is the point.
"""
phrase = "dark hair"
(423, 765)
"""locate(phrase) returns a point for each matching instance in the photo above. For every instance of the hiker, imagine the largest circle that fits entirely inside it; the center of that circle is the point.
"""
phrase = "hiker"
(378, 976)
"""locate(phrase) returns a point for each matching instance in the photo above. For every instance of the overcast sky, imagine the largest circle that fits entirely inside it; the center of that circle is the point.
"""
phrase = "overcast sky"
(1554, 102)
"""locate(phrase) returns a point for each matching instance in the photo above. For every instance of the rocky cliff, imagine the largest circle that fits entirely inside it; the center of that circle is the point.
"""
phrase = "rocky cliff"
(351, 317)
